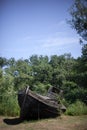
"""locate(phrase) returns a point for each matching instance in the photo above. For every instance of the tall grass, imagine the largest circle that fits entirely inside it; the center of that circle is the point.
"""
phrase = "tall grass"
(77, 108)
(9, 106)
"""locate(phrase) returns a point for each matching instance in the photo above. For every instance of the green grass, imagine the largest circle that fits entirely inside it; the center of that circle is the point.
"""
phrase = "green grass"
(77, 108)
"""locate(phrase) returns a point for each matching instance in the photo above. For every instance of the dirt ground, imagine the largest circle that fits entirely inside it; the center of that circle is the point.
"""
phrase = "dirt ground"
(60, 123)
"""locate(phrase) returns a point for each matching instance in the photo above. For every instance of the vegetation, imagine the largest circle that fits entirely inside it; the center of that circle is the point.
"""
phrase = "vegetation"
(41, 72)
(78, 108)
(79, 17)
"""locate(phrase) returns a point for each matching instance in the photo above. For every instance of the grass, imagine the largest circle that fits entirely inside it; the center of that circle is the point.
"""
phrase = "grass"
(76, 109)
(60, 123)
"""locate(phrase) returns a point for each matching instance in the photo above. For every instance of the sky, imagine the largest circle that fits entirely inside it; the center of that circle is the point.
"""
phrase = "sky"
(29, 27)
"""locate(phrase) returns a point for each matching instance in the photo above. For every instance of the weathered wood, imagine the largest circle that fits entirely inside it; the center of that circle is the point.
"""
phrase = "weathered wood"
(35, 106)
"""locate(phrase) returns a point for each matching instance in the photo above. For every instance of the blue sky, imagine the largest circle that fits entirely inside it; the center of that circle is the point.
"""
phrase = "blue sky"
(29, 27)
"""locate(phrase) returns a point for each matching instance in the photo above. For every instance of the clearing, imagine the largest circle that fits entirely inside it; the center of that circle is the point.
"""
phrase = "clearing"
(60, 123)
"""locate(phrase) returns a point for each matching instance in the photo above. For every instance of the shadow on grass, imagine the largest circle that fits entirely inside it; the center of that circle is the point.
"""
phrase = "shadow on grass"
(14, 121)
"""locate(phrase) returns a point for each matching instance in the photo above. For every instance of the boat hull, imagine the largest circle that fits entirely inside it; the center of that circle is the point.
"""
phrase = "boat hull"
(33, 108)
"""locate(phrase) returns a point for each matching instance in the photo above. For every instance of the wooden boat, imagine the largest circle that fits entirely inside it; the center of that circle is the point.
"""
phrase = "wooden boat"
(35, 106)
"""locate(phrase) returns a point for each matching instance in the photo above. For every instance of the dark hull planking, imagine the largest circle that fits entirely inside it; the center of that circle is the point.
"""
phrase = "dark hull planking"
(34, 107)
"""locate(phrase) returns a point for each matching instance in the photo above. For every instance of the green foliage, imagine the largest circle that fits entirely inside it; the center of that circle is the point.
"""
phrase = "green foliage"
(70, 91)
(79, 17)
(8, 101)
(41, 72)
(8, 96)
(9, 105)
(78, 108)
(41, 88)
(3, 62)
(64, 102)
(84, 53)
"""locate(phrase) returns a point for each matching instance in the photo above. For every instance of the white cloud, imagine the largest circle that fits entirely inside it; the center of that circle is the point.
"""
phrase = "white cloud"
(59, 42)
(61, 23)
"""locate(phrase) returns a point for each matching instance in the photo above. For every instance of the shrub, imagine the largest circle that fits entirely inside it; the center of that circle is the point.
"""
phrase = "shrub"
(40, 88)
(77, 108)
(9, 106)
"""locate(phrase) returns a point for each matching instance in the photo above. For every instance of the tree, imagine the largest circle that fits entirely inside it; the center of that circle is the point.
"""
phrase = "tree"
(3, 62)
(84, 52)
(34, 60)
(78, 21)
(11, 62)
(79, 17)
(22, 74)
(42, 69)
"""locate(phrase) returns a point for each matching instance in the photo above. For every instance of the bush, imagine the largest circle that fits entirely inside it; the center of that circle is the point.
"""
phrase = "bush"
(41, 88)
(9, 106)
(77, 108)
(64, 102)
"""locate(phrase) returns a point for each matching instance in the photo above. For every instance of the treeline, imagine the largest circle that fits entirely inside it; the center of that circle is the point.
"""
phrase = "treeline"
(41, 72)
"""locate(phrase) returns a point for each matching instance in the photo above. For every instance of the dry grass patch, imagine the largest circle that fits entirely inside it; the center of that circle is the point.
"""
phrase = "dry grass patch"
(60, 123)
